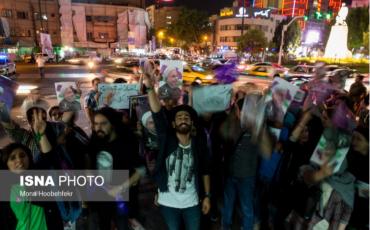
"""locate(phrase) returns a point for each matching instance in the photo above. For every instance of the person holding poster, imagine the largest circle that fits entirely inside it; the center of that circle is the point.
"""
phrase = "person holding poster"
(183, 184)
(69, 97)
(91, 99)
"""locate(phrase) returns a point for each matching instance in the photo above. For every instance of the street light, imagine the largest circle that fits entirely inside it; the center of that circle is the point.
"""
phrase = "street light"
(172, 40)
(285, 28)
(205, 38)
(160, 36)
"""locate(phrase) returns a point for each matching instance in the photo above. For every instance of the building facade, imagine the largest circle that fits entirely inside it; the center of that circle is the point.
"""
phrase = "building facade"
(26, 19)
(360, 3)
(228, 25)
(163, 17)
(73, 23)
(103, 27)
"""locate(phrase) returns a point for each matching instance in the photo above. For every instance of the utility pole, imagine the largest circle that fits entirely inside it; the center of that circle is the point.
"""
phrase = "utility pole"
(242, 32)
(40, 17)
(285, 28)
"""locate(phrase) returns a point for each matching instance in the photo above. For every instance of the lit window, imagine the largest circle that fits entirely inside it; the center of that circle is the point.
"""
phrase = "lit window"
(103, 35)
(169, 17)
(169, 23)
(7, 13)
(22, 15)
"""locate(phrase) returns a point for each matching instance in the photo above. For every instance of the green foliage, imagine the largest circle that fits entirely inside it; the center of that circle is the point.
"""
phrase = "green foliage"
(190, 26)
(292, 37)
(365, 41)
(358, 24)
(252, 41)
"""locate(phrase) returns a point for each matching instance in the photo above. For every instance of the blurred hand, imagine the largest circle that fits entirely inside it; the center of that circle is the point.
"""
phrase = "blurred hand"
(326, 170)
(206, 205)
(97, 95)
(109, 97)
(115, 191)
(156, 200)
(4, 113)
(39, 124)
(147, 81)
(78, 89)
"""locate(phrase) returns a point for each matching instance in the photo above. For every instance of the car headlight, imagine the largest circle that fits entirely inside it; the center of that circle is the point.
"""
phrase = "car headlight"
(91, 64)
(209, 77)
(25, 89)
(118, 61)
(74, 60)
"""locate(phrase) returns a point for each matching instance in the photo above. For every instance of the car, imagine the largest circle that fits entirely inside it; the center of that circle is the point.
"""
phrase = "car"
(28, 58)
(331, 70)
(305, 71)
(263, 71)
(197, 74)
(126, 73)
(275, 65)
(7, 67)
(130, 62)
(84, 60)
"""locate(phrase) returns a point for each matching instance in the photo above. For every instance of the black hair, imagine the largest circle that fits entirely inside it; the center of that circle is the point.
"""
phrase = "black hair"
(193, 114)
(120, 80)
(111, 114)
(53, 108)
(94, 80)
(7, 151)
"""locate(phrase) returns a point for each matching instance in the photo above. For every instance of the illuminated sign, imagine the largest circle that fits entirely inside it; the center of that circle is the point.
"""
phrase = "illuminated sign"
(263, 13)
(242, 13)
(226, 12)
(253, 13)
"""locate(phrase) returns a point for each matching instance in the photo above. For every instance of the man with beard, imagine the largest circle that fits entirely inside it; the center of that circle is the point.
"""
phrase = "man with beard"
(181, 171)
(114, 147)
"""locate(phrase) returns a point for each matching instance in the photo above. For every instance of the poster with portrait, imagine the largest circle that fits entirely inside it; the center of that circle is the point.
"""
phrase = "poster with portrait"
(46, 45)
(333, 153)
(139, 105)
(212, 98)
(279, 98)
(117, 96)
(171, 72)
(68, 96)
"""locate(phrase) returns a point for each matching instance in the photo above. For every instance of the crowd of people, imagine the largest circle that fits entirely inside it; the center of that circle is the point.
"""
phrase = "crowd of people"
(206, 167)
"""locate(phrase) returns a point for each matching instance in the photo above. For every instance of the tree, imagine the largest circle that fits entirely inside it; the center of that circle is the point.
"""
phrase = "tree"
(190, 26)
(252, 41)
(365, 42)
(358, 24)
(292, 37)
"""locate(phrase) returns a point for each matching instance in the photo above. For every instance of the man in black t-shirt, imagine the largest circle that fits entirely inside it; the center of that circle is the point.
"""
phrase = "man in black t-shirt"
(114, 147)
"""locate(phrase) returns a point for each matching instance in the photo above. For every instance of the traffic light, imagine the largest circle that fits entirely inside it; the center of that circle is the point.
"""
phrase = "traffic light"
(318, 15)
(305, 18)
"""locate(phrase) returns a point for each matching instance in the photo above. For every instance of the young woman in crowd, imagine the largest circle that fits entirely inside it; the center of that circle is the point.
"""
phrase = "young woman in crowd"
(30, 215)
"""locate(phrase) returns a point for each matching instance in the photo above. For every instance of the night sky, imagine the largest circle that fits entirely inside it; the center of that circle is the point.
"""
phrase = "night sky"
(211, 6)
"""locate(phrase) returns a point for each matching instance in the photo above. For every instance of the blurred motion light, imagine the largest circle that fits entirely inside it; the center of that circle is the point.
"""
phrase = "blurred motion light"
(312, 37)
(25, 89)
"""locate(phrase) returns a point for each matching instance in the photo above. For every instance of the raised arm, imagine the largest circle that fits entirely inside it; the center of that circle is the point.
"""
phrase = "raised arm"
(154, 102)
(39, 127)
